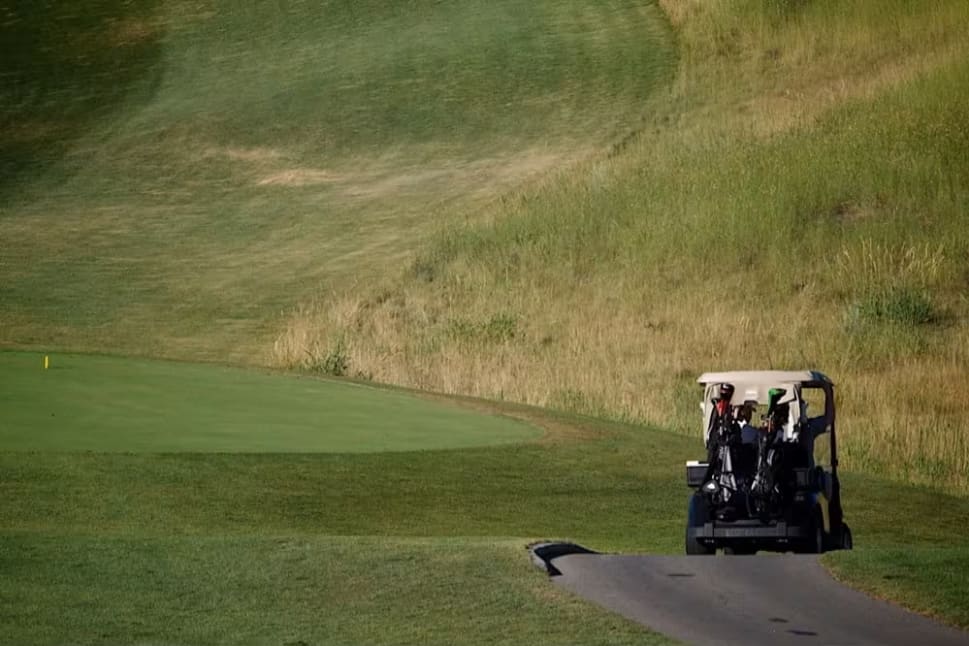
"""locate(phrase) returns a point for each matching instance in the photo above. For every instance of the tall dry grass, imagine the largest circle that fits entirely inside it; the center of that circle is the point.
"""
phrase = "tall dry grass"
(796, 200)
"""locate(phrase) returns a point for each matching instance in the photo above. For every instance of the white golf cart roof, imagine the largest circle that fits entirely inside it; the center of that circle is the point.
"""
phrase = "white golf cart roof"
(765, 378)
(755, 385)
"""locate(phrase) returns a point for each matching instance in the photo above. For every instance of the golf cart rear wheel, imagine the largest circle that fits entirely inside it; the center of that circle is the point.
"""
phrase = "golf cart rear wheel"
(846, 542)
(696, 516)
(695, 547)
(813, 543)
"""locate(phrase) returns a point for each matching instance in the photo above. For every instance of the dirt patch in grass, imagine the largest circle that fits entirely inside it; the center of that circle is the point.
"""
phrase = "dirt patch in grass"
(33, 130)
(393, 184)
(115, 33)
(132, 31)
(247, 154)
(384, 178)
(531, 163)
(298, 177)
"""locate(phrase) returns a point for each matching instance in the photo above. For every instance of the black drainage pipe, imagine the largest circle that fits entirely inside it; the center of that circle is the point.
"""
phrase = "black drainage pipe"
(544, 553)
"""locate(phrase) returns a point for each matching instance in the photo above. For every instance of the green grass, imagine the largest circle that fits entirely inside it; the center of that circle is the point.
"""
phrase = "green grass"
(393, 547)
(399, 547)
(526, 490)
(289, 590)
(92, 403)
(909, 548)
(930, 581)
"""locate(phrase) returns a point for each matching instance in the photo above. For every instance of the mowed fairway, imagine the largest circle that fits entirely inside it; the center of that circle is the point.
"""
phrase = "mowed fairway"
(93, 403)
(159, 502)
(393, 547)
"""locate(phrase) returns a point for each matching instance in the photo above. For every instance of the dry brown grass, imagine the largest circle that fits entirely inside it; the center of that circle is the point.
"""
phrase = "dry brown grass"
(297, 177)
(680, 11)
(639, 362)
(618, 345)
(908, 418)
(765, 80)
(873, 266)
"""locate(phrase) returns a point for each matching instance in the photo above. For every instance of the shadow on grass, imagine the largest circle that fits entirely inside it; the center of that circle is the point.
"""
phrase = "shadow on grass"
(65, 66)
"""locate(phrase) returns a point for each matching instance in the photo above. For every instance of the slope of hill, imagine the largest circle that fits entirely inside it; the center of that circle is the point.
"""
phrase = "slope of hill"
(177, 175)
(798, 198)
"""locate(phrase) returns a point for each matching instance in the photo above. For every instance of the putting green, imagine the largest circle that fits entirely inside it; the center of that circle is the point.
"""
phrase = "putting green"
(96, 403)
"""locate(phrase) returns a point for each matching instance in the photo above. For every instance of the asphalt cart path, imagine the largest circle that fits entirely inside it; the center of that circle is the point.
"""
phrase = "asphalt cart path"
(768, 599)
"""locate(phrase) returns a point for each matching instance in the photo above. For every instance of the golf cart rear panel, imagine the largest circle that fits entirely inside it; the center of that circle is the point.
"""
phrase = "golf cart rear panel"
(780, 499)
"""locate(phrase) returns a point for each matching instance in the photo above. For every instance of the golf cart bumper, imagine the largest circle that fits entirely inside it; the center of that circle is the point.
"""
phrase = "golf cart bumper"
(748, 530)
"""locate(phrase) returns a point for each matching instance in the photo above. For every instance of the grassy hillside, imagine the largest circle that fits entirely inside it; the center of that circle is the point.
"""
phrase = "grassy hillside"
(575, 206)
(797, 198)
(252, 184)
(179, 175)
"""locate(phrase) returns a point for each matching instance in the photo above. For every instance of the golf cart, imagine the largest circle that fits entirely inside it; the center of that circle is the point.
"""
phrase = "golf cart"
(770, 479)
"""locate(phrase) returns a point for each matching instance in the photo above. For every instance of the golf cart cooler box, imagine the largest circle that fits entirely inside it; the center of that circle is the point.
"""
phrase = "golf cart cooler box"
(695, 472)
